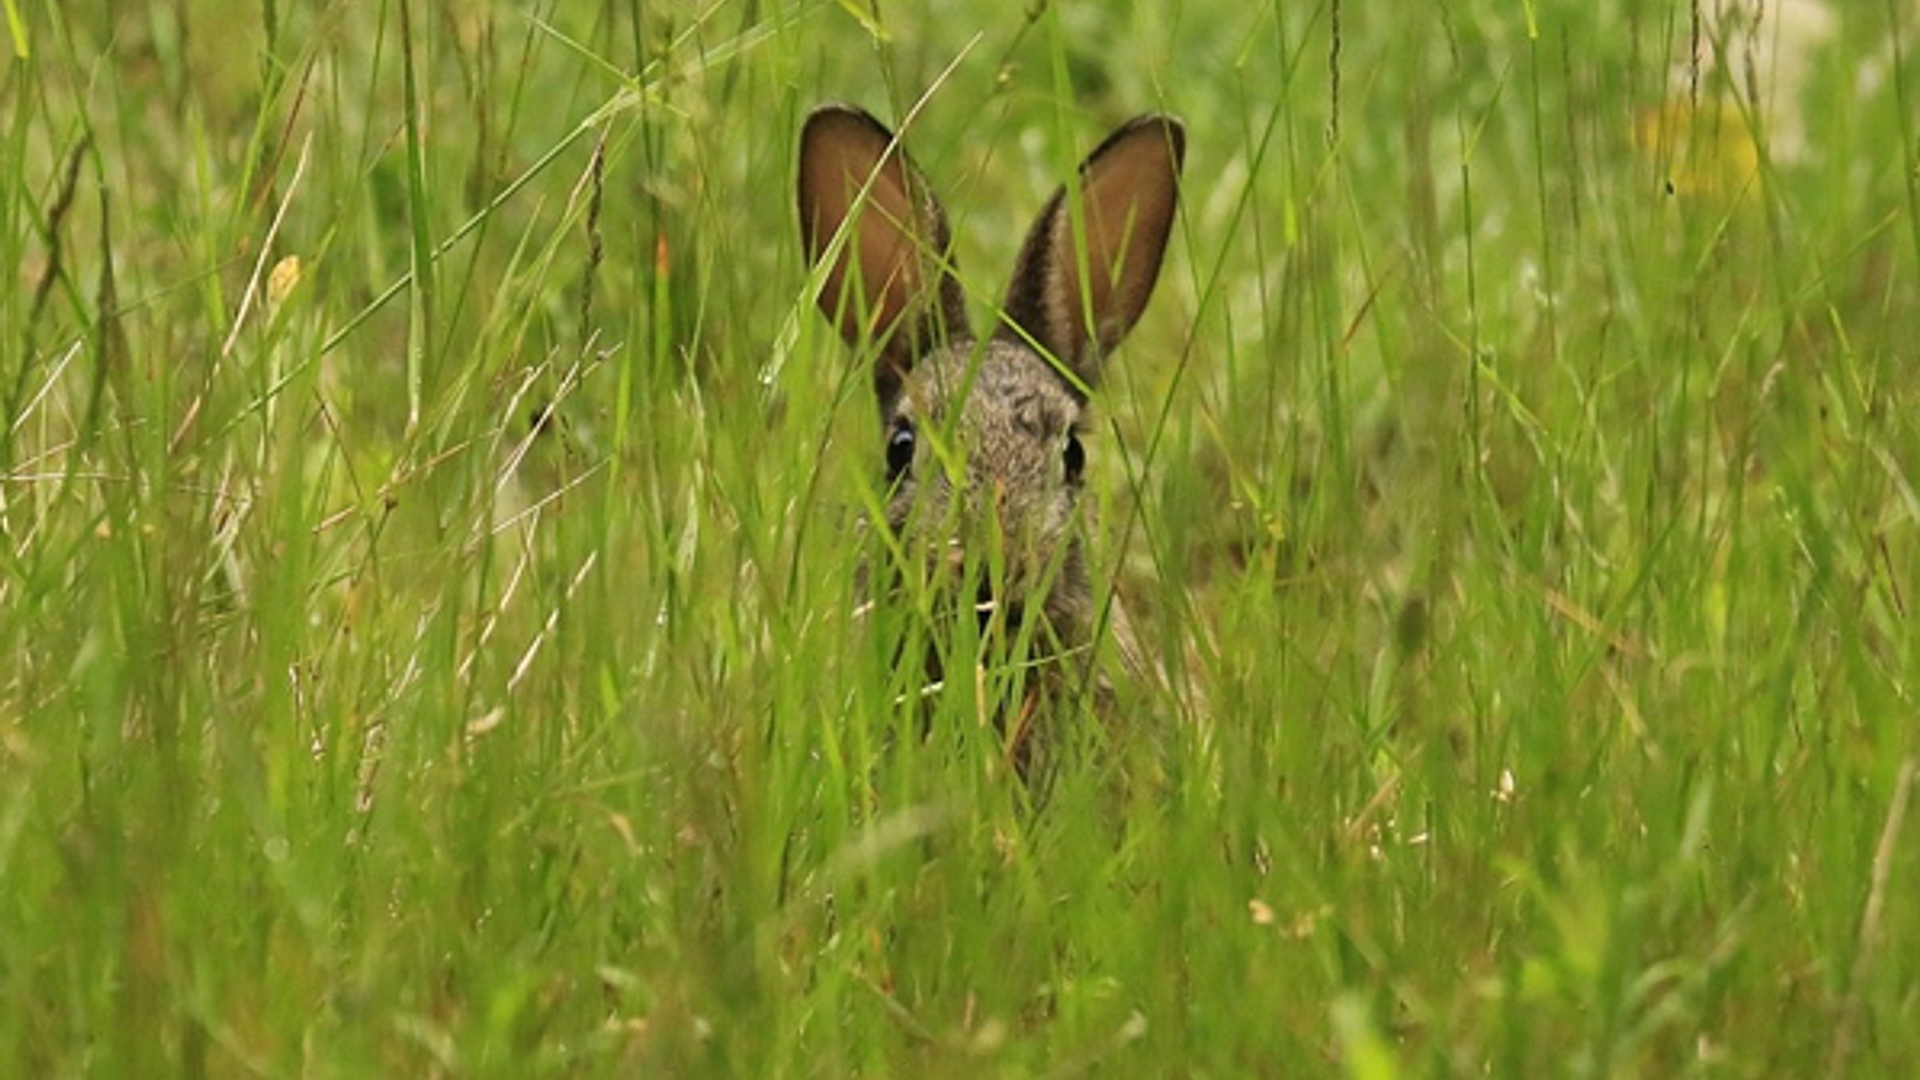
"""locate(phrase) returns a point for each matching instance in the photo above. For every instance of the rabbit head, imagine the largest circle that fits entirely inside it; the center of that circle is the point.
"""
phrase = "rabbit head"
(983, 433)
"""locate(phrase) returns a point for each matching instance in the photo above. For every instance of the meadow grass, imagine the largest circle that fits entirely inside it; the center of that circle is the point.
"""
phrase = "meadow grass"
(429, 638)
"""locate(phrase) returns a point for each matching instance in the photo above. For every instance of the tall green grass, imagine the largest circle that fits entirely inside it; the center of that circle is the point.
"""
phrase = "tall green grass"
(429, 638)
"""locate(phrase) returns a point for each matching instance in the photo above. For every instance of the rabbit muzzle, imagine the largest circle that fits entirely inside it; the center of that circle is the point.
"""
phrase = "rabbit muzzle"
(1005, 573)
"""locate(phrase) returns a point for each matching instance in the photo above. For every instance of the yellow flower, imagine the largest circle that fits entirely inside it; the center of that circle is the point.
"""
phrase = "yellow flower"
(284, 278)
(1703, 148)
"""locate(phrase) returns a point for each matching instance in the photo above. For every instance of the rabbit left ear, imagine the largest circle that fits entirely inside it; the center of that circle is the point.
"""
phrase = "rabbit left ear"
(1082, 279)
(890, 282)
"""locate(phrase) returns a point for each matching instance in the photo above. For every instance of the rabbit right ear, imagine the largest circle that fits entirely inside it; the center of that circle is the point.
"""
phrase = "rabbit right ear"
(890, 281)
(1079, 286)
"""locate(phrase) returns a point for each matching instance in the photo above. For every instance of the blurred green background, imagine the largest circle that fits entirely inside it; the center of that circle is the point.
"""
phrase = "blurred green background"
(428, 544)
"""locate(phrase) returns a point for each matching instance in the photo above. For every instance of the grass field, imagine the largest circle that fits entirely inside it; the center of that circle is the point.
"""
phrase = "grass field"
(428, 543)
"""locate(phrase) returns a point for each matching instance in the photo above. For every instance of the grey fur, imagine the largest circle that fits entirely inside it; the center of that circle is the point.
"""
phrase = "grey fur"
(990, 419)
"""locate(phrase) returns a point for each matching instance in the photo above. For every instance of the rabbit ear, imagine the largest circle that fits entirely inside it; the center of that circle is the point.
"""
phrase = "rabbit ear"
(1077, 296)
(890, 281)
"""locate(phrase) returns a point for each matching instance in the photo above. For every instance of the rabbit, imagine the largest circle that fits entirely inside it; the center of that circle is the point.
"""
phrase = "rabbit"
(982, 448)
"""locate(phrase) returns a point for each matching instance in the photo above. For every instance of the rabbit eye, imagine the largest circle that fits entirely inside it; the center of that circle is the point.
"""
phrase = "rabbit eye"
(1075, 457)
(899, 450)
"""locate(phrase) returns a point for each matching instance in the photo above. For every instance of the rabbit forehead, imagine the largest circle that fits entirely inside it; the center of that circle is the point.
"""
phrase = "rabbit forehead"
(993, 391)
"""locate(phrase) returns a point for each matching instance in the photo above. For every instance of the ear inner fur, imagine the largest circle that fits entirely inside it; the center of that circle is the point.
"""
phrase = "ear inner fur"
(891, 282)
(1128, 195)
